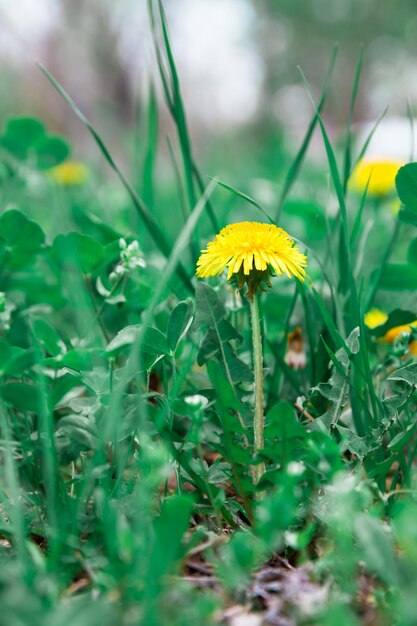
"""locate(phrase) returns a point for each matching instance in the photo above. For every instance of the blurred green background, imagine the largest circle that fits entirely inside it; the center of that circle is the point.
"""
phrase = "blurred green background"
(238, 62)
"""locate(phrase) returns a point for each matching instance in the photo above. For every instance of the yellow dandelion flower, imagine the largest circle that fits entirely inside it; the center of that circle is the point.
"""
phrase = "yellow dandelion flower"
(250, 251)
(374, 318)
(393, 333)
(380, 173)
(69, 173)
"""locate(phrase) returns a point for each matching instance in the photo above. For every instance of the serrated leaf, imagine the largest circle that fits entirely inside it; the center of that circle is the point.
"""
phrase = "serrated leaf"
(408, 374)
(361, 446)
(209, 307)
(154, 342)
(211, 314)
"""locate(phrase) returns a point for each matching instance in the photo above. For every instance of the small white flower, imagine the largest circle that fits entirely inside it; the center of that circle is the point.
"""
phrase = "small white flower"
(130, 259)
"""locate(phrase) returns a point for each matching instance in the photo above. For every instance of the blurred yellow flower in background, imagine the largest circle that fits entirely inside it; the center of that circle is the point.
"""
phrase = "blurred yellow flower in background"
(393, 333)
(380, 173)
(374, 318)
(69, 173)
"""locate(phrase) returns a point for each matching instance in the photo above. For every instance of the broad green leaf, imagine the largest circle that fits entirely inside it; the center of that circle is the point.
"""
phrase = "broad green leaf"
(399, 277)
(179, 323)
(50, 150)
(211, 314)
(406, 183)
(169, 530)
(19, 233)
(283, 433)
(48, 338)
(209, 307)
(74, 434)
(77, 251)
(154, 342)
(20, 134)
(22, 396)
(78, 359)
(377, 548)
(21, 361)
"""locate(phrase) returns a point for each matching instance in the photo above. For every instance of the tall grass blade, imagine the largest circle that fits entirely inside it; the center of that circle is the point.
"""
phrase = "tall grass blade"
(148, 219)
(295, 167)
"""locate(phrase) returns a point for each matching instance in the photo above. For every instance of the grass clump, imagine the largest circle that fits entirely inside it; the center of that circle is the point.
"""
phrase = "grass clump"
(127, 402)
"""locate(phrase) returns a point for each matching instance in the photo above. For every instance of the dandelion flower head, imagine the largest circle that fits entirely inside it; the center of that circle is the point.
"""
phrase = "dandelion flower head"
(251, 251)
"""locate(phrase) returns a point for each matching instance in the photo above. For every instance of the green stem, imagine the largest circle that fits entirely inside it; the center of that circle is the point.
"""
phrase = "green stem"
(258, 420)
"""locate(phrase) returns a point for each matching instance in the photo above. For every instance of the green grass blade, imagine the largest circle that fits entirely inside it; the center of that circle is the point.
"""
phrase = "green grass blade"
(173, 95)
(151, 149)
(245, 197)
(295, 167)
(147, 217)
(369, 137)
(348, 144)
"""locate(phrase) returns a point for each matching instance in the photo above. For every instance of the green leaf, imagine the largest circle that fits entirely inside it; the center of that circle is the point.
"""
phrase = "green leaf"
(147, 216)
(77, 251)
(5, 353)
(377, 548)
(78, 360)
(211, 313)
(406, 183)
(74, 434)
(402, 438)
(336, 390)
(360, 446)
(20, 233)
(21, 361)
(169, 530)
(399, 277)
(412, 252)
(50, 150)
(407, 374)
(20, 134)
(48, 338)
(154, 341)
(179, 323)
(209, 307)
(283, 433)
(210, 345)
(407, 216)
(22, 396)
